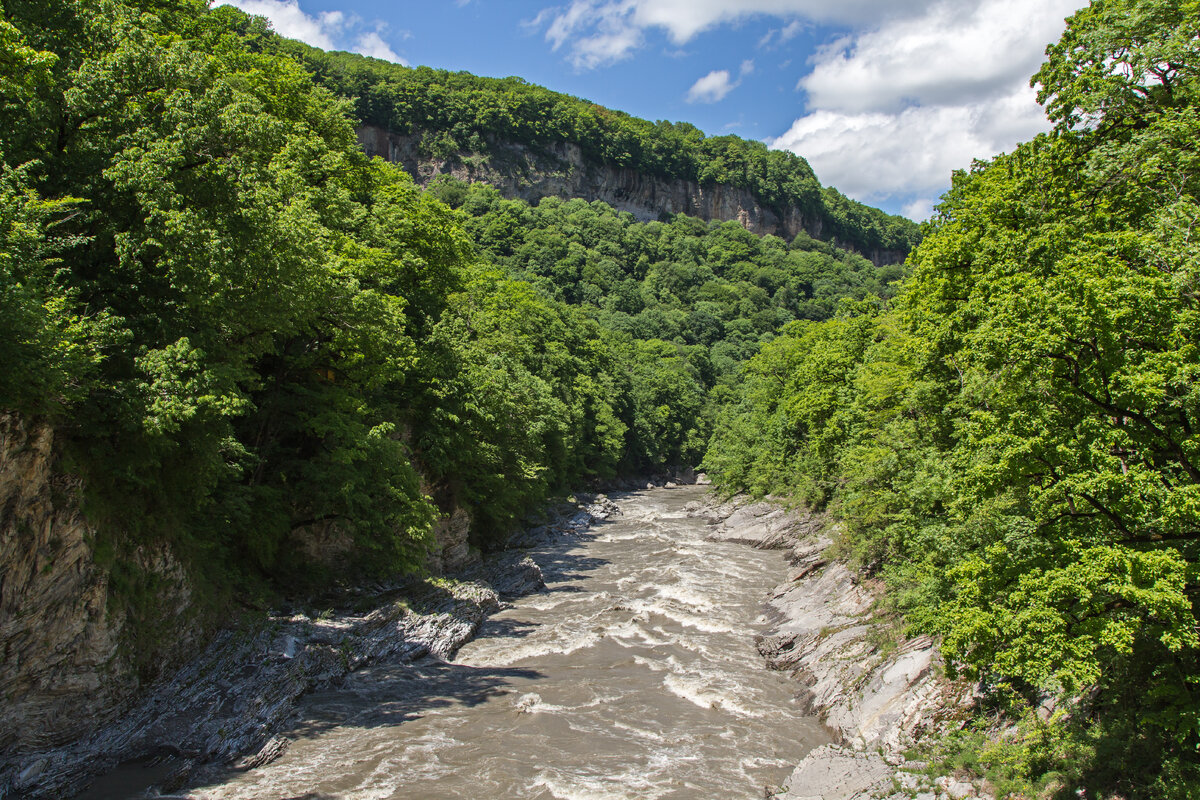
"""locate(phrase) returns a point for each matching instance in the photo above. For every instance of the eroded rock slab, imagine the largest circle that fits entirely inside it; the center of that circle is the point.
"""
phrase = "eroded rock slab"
(833, 772)
(877, 702)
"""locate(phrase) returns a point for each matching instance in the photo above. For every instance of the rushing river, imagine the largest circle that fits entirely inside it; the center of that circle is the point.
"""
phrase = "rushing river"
(633, 676)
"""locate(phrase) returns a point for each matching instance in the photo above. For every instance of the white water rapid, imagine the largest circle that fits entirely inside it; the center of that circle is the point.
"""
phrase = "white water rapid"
(633, 676)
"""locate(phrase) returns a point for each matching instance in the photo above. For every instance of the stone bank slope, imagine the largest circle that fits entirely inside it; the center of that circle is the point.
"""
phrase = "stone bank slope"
(877, 702)
(227, 708)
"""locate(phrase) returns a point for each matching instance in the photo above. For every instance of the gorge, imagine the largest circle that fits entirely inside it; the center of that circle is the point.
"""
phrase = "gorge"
(282, 424)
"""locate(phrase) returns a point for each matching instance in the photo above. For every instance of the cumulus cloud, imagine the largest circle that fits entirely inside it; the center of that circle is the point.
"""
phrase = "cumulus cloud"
(372, 44)
(916, 89)
(329, 30)
(895, 108)
(875, 155)
(712, 87)
(952, 53)
(599, 32)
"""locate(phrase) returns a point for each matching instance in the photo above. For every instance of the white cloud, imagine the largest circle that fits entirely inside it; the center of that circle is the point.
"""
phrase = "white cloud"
(329, 30)
(919, 209)
(288, 20)
(599, 32)
(712, 88)
(779, 36)
(954, 52)
(876, 155)
(895, 108)
(372, 44)
(917, 89)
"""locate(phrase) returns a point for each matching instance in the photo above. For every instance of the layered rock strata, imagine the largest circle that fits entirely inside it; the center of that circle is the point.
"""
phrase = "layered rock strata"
(64, 665)
(561, 170)
(877, 696)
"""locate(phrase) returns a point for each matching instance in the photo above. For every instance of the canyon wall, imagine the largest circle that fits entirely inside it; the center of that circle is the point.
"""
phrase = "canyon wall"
(89, 620)
(68, 662)
(561, 170)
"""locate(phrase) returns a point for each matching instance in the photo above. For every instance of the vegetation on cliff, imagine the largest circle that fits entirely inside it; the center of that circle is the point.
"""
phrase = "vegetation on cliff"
(457, 112)
(1013, 442)
(259, 344)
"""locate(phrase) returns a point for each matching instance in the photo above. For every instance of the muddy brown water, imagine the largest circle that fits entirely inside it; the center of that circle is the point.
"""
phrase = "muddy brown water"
(633, 676)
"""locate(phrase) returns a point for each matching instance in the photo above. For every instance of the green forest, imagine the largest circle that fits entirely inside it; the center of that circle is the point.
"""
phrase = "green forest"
(1013, 441)
(243, 329)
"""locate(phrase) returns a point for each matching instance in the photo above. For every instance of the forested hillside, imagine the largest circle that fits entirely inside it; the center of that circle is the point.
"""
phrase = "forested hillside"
(457, 112)
(1012, 443)
(247, 333)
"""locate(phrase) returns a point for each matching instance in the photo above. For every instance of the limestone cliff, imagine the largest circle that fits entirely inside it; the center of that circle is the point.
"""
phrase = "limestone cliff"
(561, 170)
(77, 650)
(63, 660)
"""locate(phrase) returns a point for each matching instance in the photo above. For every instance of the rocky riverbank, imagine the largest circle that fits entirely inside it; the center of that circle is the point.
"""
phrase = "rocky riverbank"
(877, 695)
(225, 707)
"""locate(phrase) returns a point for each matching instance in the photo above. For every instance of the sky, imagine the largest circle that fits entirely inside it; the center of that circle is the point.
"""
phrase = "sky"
(884, 98)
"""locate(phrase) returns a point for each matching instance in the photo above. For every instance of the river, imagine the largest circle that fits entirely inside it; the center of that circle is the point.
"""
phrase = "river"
(634, 675)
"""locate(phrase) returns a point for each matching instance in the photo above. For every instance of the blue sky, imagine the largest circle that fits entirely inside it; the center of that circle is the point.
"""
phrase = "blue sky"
(883, 97)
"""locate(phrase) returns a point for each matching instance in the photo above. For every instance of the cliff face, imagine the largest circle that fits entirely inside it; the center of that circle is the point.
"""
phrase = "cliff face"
(560, 170)
(73, 657)
(62, 664)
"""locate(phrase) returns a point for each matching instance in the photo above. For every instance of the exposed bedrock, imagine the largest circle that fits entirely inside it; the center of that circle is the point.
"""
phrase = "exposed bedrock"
(878, 699)
(65, 664)
(561, 170)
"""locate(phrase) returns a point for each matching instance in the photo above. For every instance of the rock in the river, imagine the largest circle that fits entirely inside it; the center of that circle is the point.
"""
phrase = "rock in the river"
(833, 772)
(760, 524)
(511, 574)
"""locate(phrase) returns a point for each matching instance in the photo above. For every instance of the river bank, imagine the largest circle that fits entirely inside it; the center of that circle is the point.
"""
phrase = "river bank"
(237, 706)
(224, 709)
(878, 695)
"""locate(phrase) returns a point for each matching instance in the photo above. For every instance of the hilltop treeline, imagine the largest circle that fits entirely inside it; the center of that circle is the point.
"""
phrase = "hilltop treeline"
(457, 112)
(1014, 443)
(247, 334)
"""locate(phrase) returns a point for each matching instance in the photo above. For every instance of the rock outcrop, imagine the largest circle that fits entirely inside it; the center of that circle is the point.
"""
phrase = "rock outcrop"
(63, 666)
(223, 710)
(878, 700)
(561, 170)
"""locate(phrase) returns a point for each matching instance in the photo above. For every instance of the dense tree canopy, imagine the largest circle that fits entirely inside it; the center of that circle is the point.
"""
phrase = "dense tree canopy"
(459, 113)
(1014, 444)
(250, 336)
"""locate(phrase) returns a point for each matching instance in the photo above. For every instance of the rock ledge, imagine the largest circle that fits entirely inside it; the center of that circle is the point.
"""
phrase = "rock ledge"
(877, 701)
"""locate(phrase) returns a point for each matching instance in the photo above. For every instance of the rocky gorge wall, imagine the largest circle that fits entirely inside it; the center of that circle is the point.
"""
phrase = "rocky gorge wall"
(63, 665)
(224, 709)
(878, 695)
(75, 657)
(561, 170)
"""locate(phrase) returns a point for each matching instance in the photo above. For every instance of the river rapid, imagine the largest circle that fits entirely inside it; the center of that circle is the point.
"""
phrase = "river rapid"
(634, 675)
